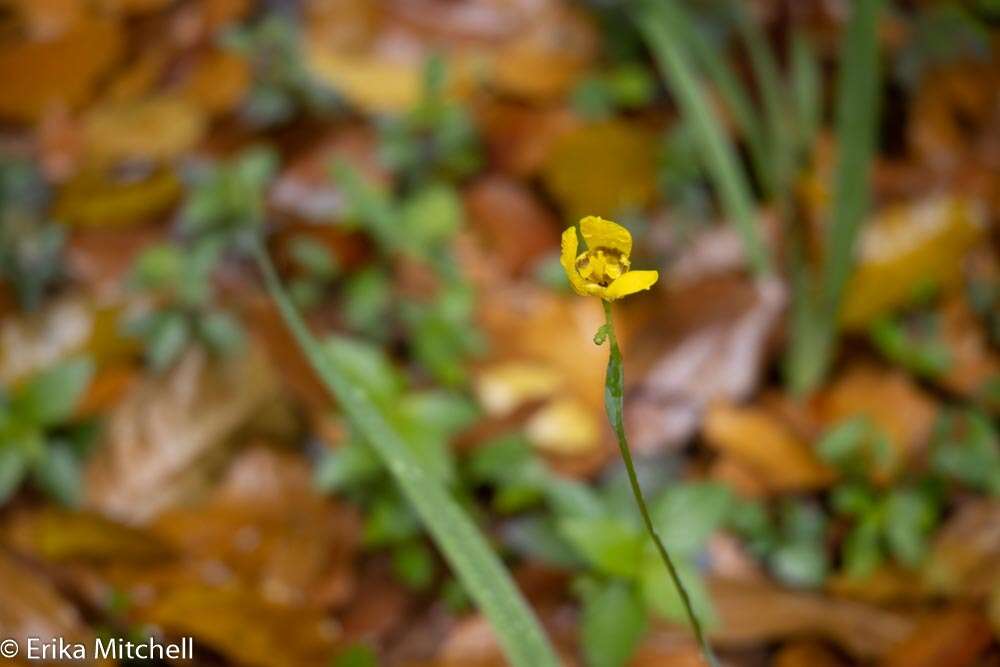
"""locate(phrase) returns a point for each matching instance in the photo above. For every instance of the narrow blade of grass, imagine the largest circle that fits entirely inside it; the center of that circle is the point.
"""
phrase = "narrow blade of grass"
(662, 27)
(857, 114)
(465, 548)
(734, 95)
(768, 77)
(807, 91)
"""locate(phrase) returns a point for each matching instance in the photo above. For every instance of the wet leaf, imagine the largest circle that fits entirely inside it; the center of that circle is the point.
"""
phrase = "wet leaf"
(965, 556)
(521, 138)
(804, 654)
(271, 530)
(973, 360)
(63, 536)
(372, 83)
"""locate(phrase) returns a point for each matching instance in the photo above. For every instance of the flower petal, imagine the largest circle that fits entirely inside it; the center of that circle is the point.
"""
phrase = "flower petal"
(601, 233)
(630, 283)
(568, 260)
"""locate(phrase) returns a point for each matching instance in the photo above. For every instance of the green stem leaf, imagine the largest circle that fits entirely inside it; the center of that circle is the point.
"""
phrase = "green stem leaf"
(614, 393)
(464, 547)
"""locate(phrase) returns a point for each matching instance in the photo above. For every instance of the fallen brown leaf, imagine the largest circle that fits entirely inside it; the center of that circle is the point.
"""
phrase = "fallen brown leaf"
(705, 342)
(767, 447)
(243, 627)
(30, 606)
(952, 638)
(511, 222)
(752, 613)
(61, 71)
(267, 526)
(965, 556)
(892, 401)
(163, 440)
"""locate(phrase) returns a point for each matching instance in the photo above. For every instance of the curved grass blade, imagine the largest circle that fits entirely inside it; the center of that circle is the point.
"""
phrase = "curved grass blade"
(662, 26)
(773, 95)
(734, 95)
(857, 115)
(807, 90)
(464, 547)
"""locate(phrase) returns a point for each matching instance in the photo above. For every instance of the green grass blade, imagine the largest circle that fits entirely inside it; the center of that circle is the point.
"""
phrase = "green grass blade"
(465, 548)
(807, 91)
(774, 97)
(857, 116)
(734, 95)
(856, 125)
(662, 28)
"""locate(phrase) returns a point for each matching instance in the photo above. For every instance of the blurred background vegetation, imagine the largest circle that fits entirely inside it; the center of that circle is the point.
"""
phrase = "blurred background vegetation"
(812, 388)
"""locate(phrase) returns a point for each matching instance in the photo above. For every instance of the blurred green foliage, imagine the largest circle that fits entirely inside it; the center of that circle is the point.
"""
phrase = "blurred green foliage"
(39, 439)
(436, 140)
(966, 448)
(316, 270)
(940, 33)
(31, 245)
(223, 214)
(913, 343)
(427, 419)
(282, 85)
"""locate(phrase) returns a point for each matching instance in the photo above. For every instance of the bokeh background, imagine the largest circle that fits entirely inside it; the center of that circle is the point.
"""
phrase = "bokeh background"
(171, 466)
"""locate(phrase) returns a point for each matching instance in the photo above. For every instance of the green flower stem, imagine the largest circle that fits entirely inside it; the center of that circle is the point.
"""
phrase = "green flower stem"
(466, 550)
(614, 384)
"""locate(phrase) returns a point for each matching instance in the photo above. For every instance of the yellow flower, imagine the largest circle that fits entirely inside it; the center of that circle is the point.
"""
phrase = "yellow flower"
(603, 269)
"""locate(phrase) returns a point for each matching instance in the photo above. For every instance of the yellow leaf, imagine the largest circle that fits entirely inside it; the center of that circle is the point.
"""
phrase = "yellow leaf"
(565, 426)
(504, 387)
(374, 84)
(602, 169)
(218, 82)
(244, 627)
(59, 535)
(907, 250)
(766, 446)
(92, 199)
(37, 75)
(157, 128)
